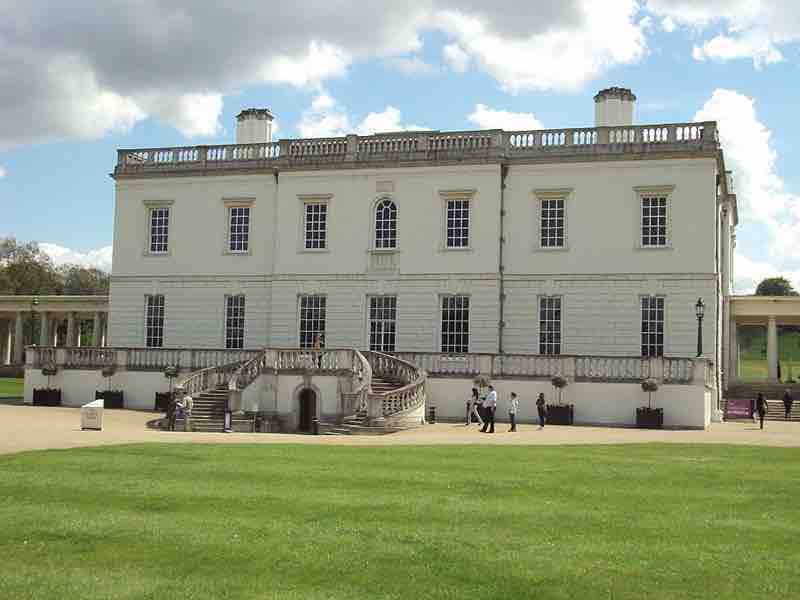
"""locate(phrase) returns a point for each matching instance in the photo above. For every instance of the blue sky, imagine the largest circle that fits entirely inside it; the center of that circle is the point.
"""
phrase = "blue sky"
(80, 83)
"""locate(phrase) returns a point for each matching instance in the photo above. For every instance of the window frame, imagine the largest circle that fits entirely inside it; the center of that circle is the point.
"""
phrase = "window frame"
(658, 191)
(226, 320)
(642, 333)
(229, 205)
(448, 196)
(442, 299)
(309, 199)
(147, 317)
(150, 206)
(547, 195)
(374, 224)
(369, 344)
(324, 320)
(542, 342)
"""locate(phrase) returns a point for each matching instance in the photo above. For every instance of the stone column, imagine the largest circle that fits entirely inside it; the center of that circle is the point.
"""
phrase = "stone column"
(3, 341)
(733, 352)
(772, 349)
(55, 323)
(44, 333)
(96, 330)
(19, 344)
(70, 329)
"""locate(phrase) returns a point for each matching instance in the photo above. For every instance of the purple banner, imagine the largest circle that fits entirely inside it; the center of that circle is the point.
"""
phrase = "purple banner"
(738, 409)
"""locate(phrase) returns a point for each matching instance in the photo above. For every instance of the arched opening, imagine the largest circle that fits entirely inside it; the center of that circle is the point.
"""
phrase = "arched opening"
(308, 409)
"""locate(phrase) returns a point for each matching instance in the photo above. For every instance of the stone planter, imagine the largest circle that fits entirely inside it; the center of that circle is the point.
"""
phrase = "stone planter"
(649, 418)
(110, 398)
(560, 414)
(47, 397)
(162, 401)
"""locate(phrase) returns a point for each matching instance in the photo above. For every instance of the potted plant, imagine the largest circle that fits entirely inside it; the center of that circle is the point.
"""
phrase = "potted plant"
(111, 398)
(560, 413)
(163, 398)
(47, 396)
(647, 416)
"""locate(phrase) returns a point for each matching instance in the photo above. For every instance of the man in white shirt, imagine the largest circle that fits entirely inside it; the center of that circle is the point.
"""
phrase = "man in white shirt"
(513, 406)
(489, 406)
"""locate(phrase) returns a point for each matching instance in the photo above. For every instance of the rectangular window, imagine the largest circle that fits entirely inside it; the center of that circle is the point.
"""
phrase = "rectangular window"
(458, 223)
(552, 223)
(654, 221)
(239, 228)
(234, 321)
(652, 326)
(382, 323)
(316, 224)
(159, 229)
(455, 324)
(312, 321)
(550, 325)
(154, 321)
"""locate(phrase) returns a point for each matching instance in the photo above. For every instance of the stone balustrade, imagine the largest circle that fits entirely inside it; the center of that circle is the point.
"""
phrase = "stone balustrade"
(423, 146)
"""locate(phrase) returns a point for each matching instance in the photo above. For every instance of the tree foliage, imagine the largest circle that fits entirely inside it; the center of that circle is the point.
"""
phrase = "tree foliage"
(25, 269)
(775, 286)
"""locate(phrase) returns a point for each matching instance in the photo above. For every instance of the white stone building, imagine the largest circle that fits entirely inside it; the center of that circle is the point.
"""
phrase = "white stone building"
(592, 244)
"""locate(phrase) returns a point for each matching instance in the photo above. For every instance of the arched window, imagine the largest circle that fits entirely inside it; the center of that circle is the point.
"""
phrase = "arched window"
(385, 224)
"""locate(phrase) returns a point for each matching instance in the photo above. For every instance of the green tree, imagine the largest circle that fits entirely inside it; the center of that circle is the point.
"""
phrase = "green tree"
(25, 269)
(775, 286)
(83, 280)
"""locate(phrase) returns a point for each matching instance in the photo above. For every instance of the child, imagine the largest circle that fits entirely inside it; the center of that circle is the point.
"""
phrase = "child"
(513, 406)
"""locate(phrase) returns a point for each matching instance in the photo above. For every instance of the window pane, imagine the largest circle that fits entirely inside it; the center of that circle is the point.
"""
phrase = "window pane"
(652, 326)
(382, 323)
(458, 223)
(386, 224)
(159, 229)
(550, 325)
(654, 221)
(455, 324)
(154, 321)
(316, 221)
(239, 228)
(312, 321)
(234, 321)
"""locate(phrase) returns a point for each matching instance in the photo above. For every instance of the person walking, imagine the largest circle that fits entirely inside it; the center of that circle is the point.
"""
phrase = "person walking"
(513, 406)
(787, 404)
(473, 406)
(761, 407)
(172, 408)
(540, 408)
(489, 408)
(753, 412)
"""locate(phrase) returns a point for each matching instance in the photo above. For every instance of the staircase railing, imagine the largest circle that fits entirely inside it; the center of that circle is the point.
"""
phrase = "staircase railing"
(362, 373)
(207, 379)
(394, 402)
(249, 370)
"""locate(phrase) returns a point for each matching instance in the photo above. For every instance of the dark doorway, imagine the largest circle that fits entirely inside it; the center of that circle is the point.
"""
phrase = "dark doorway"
(308, 409)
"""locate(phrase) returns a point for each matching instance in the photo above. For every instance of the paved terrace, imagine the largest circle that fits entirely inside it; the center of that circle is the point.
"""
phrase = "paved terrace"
(24, 428)
(353, 151)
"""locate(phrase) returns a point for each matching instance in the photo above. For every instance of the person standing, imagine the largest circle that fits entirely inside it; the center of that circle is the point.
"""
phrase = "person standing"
(172, 408)
(489, 408)
(787, 404)
(540, 408)
(761, 407)
(473, 405)
(513, 406)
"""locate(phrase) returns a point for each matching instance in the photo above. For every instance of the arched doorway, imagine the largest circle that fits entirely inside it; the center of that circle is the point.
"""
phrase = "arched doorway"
(308, 409)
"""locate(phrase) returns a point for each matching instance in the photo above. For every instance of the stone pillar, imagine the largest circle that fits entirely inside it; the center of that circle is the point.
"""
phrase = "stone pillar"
(70, 329)
(44, 332)
(733, 352)
(6, 327)
(55, 324)
(19, 343)
(772, 349)
(96, 335)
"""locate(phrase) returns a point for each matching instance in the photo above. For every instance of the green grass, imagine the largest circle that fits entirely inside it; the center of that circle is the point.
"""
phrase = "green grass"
(235, 521)
(10, 388)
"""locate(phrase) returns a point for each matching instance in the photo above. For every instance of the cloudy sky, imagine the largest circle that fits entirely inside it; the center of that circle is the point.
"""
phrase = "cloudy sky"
(79, 80)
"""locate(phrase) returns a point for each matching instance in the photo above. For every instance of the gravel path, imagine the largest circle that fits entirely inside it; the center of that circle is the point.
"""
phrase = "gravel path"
(25, 428)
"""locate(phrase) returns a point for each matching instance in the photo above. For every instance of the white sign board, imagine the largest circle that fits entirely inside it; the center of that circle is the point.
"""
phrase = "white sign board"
(92, 415)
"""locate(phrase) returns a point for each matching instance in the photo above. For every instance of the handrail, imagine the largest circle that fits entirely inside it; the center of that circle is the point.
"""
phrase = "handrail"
(408, 397)
(207, 379)
(362, 371)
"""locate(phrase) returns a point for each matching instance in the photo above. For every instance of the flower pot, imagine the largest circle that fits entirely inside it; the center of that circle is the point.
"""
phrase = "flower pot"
(110, 398)
(47, 397)
(162, 401)
(649, 418)
(560, 414)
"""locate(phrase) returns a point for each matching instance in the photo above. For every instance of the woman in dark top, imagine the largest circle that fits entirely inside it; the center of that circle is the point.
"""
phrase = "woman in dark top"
(540, 407)
(761, 407)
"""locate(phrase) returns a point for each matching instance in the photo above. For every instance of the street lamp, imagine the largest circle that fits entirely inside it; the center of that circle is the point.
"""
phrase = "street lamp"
(699, 310)
(34, 304)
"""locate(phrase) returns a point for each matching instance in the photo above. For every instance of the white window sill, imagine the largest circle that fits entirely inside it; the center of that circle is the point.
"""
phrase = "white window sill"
(457, 249)
(383, 250)
(647, 248)
(551, 248)
(236, 252)
(150, 254)
(314, 250)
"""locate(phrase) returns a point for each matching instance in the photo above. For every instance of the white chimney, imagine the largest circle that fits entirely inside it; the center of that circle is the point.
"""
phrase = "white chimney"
(254, 126)
(613, 107)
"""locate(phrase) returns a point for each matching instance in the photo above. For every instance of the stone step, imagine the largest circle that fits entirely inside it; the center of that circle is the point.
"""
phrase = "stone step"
(775, 411)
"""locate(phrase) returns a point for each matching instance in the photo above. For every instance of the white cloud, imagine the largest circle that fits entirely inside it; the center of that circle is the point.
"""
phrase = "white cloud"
(490, 118)
(455, 56)
(99, 259)
(327, 118)
(2, 171)
(668, 25)
(388, 120)
(412, 66)
(754, 29)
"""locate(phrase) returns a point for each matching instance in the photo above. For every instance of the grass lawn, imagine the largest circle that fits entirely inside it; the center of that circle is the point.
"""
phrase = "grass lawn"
(10, 388)
(593, 522)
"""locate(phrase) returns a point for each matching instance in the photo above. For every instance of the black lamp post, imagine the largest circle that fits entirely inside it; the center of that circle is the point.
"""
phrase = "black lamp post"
(699, 310)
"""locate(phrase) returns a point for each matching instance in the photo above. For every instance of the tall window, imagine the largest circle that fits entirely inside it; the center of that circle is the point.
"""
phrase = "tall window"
(312, 320)
(154, 321)
(382, 323)
(549, 325)
(458, 223)
(234, 321)
(316, 225)
(652, 326)
(159, 229)
(386, 224)
(552, 223)
(455, 324)
(239, 228)
(654, 221)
